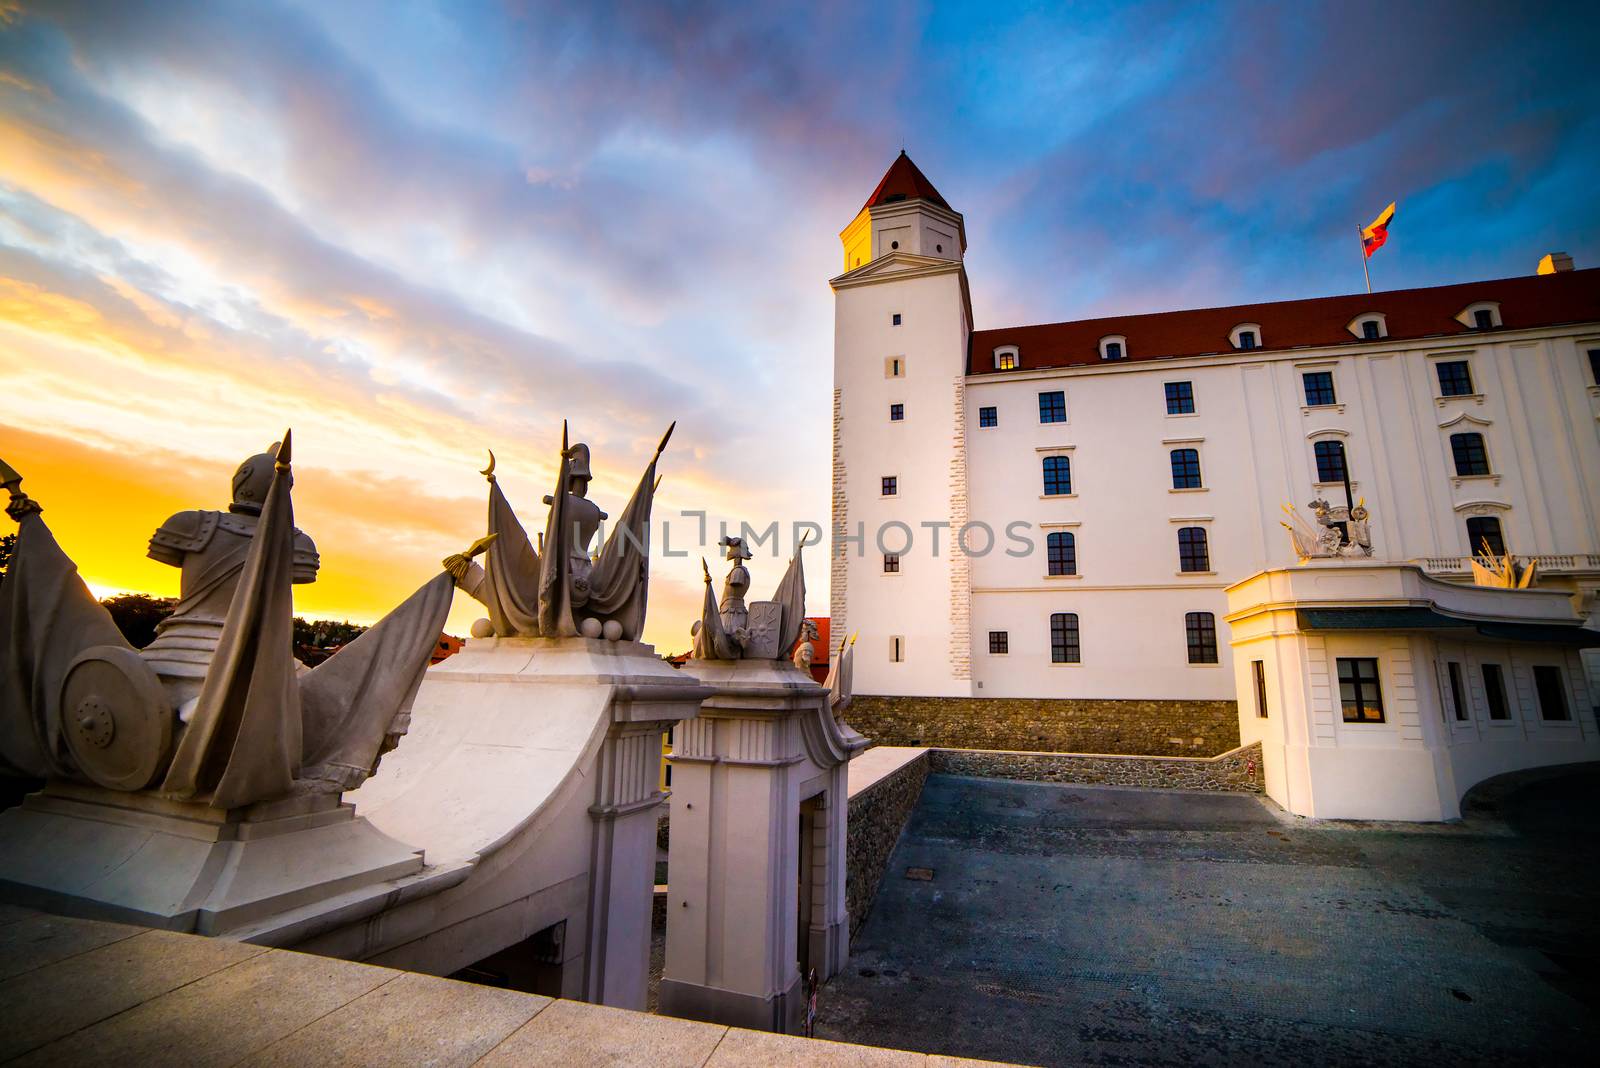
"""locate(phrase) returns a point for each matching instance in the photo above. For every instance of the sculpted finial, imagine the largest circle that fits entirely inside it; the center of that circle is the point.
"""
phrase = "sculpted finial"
(20, 504)
(280, 459)
(488, 472)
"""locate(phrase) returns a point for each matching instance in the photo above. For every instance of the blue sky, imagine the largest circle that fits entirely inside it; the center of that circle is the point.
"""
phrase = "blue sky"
(416, 230)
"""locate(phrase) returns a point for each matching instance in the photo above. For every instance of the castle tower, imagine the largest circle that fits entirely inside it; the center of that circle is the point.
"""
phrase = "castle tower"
(902, 319)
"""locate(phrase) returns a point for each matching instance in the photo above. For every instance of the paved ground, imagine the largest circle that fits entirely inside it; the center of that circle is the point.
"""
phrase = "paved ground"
(1085, 925)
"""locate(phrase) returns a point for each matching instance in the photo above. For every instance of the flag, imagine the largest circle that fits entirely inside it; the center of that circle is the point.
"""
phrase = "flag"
(1374, 235)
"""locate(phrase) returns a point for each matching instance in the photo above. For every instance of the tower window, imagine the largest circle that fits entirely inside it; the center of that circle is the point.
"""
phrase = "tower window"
(1360, 696)
(1331, 465)
(1247, 339)
(938, 248)
(1185, 468)
(1064, 648)
(1258, 674)
(1371, 330)
(1061, 552)
(896, 319)
(897, 649)
(1483, 319)
(999, 642)
(897, 412)
(891, 485)
(1484, 536)
(1469, 453)
(1200, 628)
(1057, 476)
(1180, 398)
(1551, 686)
(1193, 552)
(891, 563)
(1455, 378)
(1319, 388)
(988, 416)
(894, 367)
(1053, 407)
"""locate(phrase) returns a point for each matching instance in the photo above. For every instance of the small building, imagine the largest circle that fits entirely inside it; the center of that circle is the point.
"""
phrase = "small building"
(1377, 692)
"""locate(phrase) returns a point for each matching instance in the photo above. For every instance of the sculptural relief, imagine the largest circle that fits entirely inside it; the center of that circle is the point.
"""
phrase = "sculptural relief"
(1341, 532)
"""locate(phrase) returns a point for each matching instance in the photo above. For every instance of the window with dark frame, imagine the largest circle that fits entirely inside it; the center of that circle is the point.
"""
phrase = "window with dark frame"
(897, 412)
(897, 649)
(1319, 388)
(1064, 648)
(1550, 684)
(1113, 350)
(1360, 695)
(1485, 529)
(1330, 460)
(1186, 469)
(1258, 674)
(896, 320)
(1180, 398)
(1057, 476)
(1370, 330)
(1200, 629)
(1193, 553)
(1006, 361)
(1455, 378)
(1061, 552)
(1494, 691)
(1458, 692)
(891, 563)
(1053, 407)
(891, 485)
(989, 416)
(1483, 319)
(1594, 365)
(999, 641)
(1469, 454)
(1247, 339)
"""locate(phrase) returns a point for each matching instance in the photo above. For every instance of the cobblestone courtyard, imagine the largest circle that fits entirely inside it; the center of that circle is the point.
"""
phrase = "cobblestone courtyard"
(1089, 925)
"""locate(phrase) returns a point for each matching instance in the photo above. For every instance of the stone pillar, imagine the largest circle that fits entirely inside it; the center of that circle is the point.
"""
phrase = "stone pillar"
(764, 748)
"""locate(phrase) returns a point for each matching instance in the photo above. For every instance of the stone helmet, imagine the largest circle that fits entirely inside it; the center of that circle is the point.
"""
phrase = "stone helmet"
(578, 462)
(252, 481)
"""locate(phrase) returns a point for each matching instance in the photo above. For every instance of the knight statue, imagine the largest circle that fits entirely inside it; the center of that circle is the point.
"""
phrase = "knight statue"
(1342, 531)
(765, 630)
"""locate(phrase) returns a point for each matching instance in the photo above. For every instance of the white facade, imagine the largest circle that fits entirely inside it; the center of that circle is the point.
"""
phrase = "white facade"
(1533, 399)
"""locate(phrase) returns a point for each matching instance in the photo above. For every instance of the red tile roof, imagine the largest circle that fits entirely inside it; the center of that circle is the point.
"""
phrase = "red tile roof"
(1531, 300)
(902, 181)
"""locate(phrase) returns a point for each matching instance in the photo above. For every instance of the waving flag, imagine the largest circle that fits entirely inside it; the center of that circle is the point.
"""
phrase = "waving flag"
(1377, 232)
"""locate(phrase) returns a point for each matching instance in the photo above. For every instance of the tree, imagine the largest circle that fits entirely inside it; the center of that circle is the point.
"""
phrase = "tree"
(137, 614)
(8, 545)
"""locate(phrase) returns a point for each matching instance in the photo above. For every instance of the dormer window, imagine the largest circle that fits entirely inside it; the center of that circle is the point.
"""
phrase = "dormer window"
(1008, 358)
(1246, 336)
(1113, 347)
(1484, 315)
(1369, 327)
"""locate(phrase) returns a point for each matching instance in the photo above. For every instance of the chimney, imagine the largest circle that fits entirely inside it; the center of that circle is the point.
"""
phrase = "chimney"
(1554, 262)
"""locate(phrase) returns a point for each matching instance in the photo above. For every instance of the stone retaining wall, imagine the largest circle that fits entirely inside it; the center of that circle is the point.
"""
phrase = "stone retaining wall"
(1061, 725)
(877, 816)
(1236, 771)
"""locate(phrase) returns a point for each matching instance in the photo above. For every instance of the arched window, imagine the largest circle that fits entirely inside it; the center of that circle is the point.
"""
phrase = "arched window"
(1330, 461)
(1064, 648)
(1193, 553)
(1185, 468)
(1470, 456)
(1057, 475)
(1246, 336)
(1113, 347)
(1484, 536)
(1061, 552)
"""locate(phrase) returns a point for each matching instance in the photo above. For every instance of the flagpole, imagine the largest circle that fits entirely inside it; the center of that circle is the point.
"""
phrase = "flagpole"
(1361, 237)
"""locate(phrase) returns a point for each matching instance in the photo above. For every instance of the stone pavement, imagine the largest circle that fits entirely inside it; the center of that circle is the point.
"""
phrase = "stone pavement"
(1063, 924)
(75, 992)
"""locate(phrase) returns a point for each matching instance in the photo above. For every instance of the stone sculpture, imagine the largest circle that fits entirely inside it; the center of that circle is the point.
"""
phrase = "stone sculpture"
(805, 653)
(216, 710)
(1341, 532)
(764, 630)
(557, 590)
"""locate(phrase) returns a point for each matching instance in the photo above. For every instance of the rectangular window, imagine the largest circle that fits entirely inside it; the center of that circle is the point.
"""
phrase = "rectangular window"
(891, 563)
(891, 485)
(1594, 365)
(1247, 339)
(1370, 330)
(1494, 690)
(1061, 552)
(896, 319)
(1319, 388)
(1064, 647)
(1193, 553)
(1258, 675)
(1201, 630)
(1006, 361)
(897, 649)
(1484, 536)
(1180, 398)
(1185, 468)
(1057, 475)
(1330, 460)
(894, 367)
(1483, 319)
(1113, 350)
(988, 416)
(1053, 407)
(1458, 692)
(999, 641)
(1455, 378)
(1551, 685)
(1470, 456)
(897, 412)
(1359, 693)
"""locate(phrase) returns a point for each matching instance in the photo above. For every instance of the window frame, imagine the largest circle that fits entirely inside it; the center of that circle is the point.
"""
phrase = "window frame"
(897, 412)
(999, 643)
(1120, 341)
(1460, 373)
(1191, 459)
(1200, 637)
(1060, 548)
(1542, 673)
(1258, 679)
(1048, 406)
(1194, 546)
(1066, 639)
(1332, 390)
(1495, 695)
(988, 416)
(889, 485)
(897, 648)
(1497, 544)
(1458, 691)
(1317, 453)
(1356, 682)
(894, 319)
(1470, 454)
(1180, 392)
(1057, 468)
(891, 563)
(1594, 366)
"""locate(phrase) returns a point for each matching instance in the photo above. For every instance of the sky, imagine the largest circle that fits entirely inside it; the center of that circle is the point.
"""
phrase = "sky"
(416, 231)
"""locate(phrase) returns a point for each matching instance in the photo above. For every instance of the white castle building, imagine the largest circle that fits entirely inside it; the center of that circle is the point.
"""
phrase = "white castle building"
(1114, 476)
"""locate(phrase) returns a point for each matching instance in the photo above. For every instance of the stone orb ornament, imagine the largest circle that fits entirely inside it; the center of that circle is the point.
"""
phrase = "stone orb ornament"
(590, 628)
(115, 718)
(612, 631)
(482, 628)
